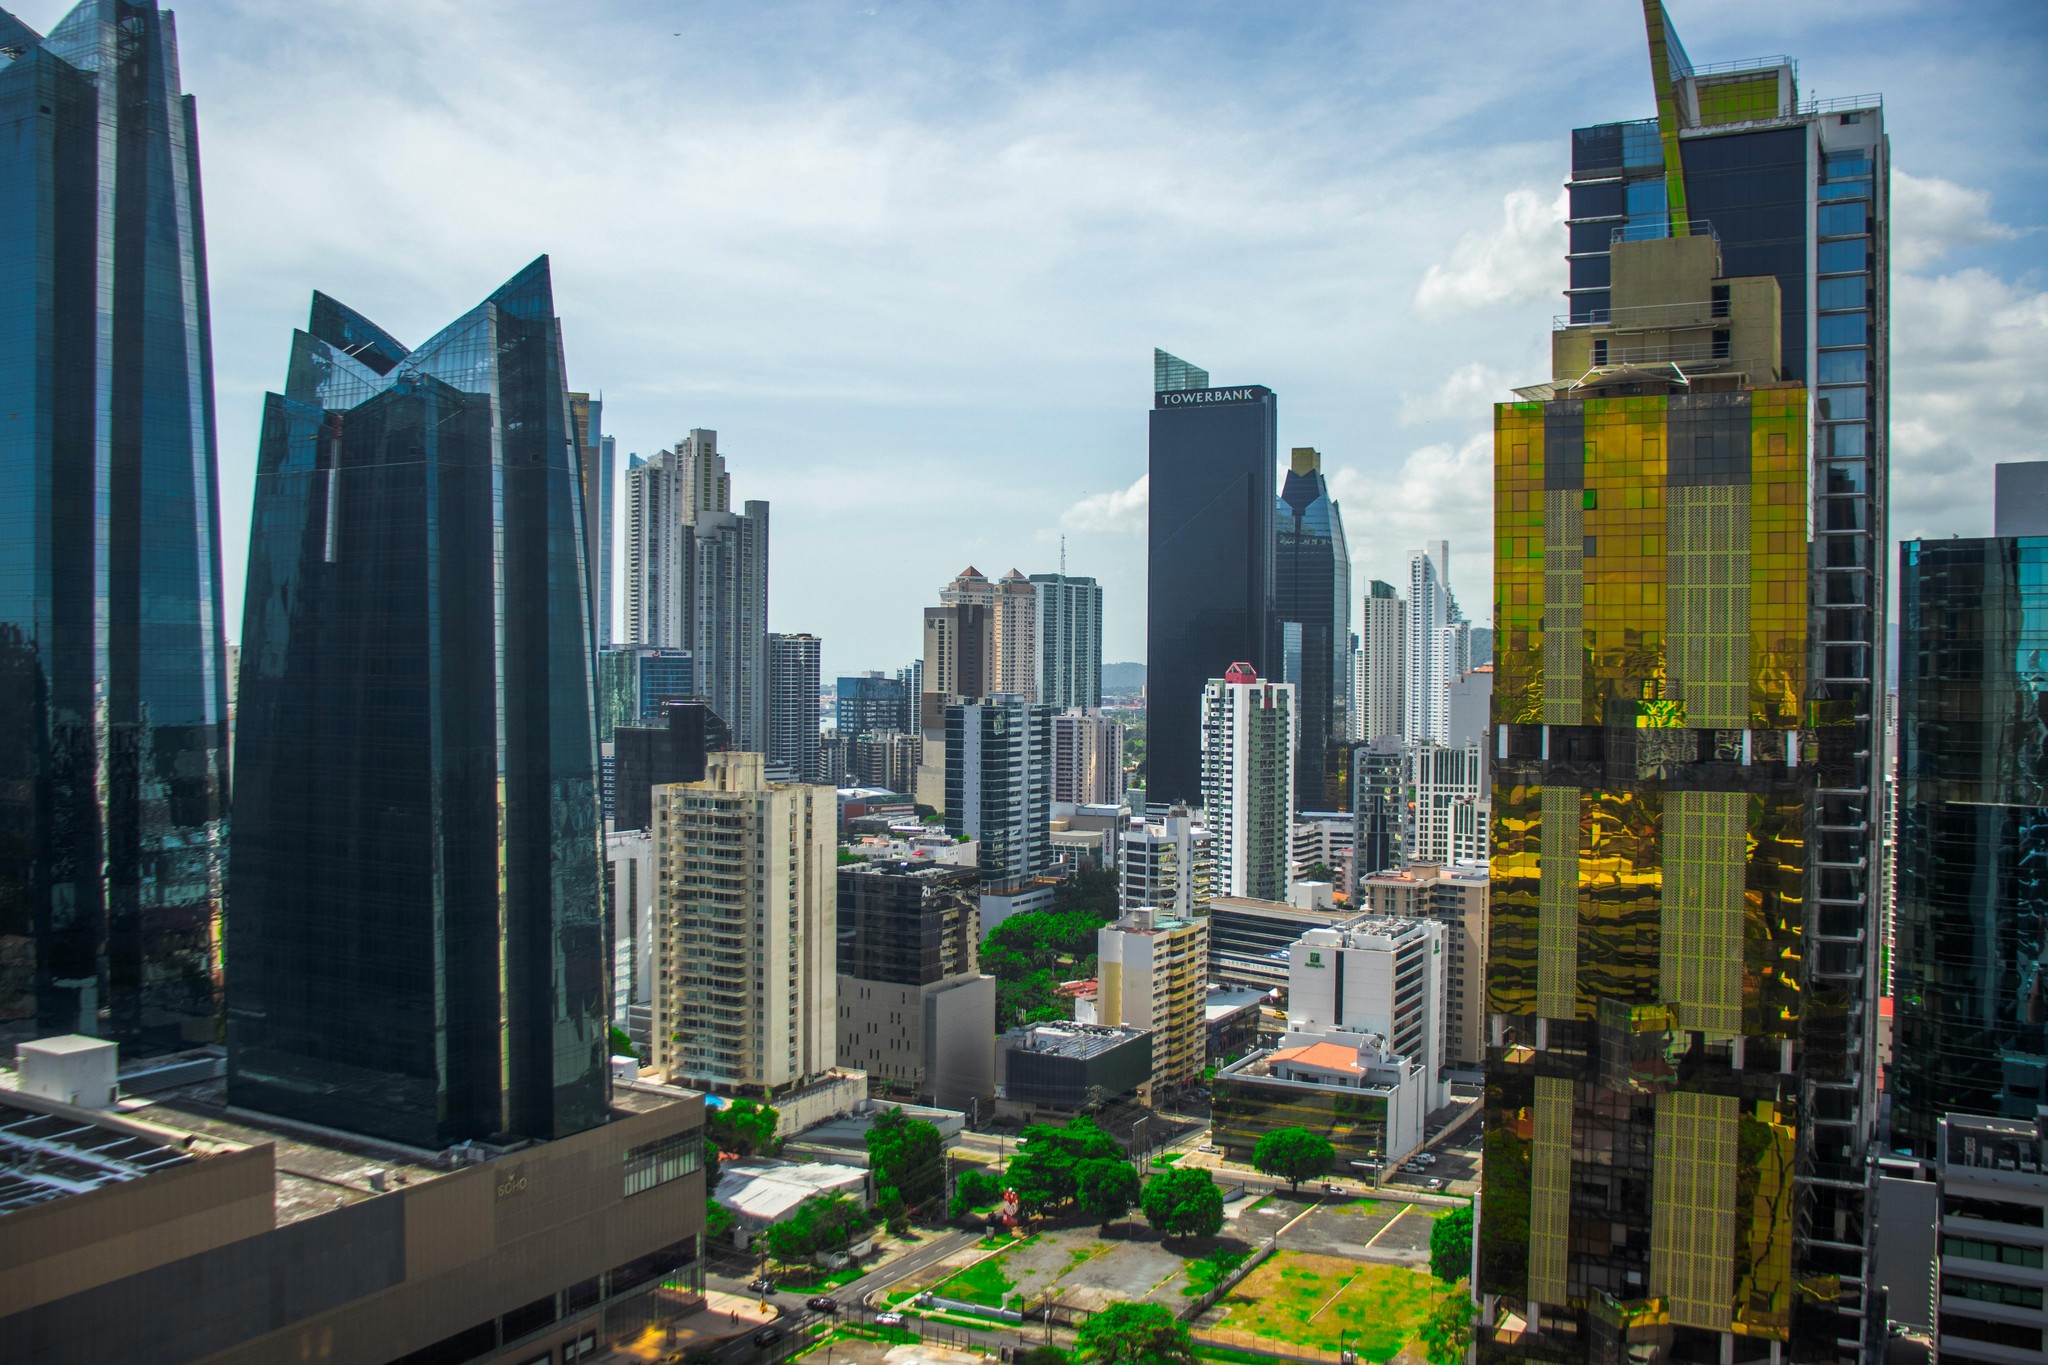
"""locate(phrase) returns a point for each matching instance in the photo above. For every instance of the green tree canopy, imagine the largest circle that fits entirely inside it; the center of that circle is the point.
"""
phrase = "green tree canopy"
(909, 1154)
(1450, 1245)
(1183, 1201)
(743, 1128)
(1105, 1187)
(974, 1190)
(1447, 1332)
(1044, 1171)
(1294, 1155)
(1135, 1334)
(824, 1222)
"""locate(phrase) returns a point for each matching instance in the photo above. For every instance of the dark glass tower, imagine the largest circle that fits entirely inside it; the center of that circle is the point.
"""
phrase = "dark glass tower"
(416, 936)
(1209, 559)
(1972, 916)
(1312, 590)
(113, 703)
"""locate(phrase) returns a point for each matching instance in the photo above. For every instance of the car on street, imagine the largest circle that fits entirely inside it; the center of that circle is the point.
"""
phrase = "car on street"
(1206, 1147)
(823, 1303)
(767, 1336)
(764, 1285)
(888, 1319)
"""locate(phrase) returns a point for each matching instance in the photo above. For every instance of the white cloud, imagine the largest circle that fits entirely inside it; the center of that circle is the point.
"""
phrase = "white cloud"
(1121, 512)
(1932, 217)
(1470, 389)
(1512, 263)
(1442, 491)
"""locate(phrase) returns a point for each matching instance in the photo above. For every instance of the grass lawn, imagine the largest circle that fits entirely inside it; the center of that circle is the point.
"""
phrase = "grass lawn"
(1168, 1158)
(813, 1280)
(983, 1282)
(1309, 1300)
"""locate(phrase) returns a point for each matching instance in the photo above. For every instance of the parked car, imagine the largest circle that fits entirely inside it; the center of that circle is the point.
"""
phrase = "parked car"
(764, 1285)
(1206, 1147)
(1412, 1167)
(1435, 1182)
(767, 1336)
(823, 1303)
(888, 1319)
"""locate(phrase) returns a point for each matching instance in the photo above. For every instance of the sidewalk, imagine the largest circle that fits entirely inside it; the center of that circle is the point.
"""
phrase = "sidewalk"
(723, 1317)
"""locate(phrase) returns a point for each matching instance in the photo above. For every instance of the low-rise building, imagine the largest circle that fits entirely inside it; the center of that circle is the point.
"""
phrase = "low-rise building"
(1249, 939)
(1375, 975)
(1369, 1102)
(1324, 838)
(1059, 1070)
(761, 1192)
(1231, 1018)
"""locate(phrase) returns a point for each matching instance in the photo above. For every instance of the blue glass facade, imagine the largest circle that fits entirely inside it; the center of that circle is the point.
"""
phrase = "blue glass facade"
(1312, 590)
(113, 705)
(416, 932)
(1972, 912)
(1209, 565)
(871, 702)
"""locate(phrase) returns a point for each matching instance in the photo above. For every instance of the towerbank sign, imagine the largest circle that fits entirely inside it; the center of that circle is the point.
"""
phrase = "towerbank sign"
(1184, 398)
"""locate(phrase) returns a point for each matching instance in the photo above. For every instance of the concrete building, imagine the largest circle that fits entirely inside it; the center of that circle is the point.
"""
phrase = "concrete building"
(649, 756)
(632, 893)
(1151, 972)
(886, 759)
(1369, 1102)
(958, 667)
(793, 707)
(1323, 837)
(596, 454)
(914, 1012)
(1168, 862)
(1472, 706)
(664, 496)
(1381, 975)
(1382, 648)
(1068, 619)
(1456, 898)
(746, 881)
(1453, 804)
(999, 787)
(1248, 752)
(1059, 1070)
(1087, 759)
(1013, 632)
(180, 1229)
(1380, 803)
(1438, 645)
(1231, 1019)
(1249, 939)
(1990, 1242)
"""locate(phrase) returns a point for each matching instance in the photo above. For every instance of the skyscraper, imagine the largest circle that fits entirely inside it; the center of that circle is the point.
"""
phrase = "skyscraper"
(664, 496)
(1438, 646)
(872, 701)
(747, 877)
(1069, 648)
(1312, 591)
(959, 666)
(1209, 559)
(999, 787)
(596, 451)
(1972, 924)
(1382, 650)
(113, 680)
(793, 693)
(417, 938)
(1087, 759)
(1681, 973)
(1248, 748)
(1014, 635)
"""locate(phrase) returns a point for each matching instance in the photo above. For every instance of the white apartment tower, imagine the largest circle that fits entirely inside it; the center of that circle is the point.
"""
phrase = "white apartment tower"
(1453, 804)
(793, 708)
(1438, 647)
(1248, 735)
(1087, 759)
(746, 942)
(663, 498)
(1069, 646)
(1167, 862)
(1382, 640)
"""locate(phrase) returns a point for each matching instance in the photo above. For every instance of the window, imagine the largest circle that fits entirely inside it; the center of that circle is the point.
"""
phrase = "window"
(1722, 345)
(1846, 477)
(1599, 350)
(1998, 1333)
(1843, 405)
(1718, 295)
(1842, 220)
(1843, 258)
(1591, 546)
(2002, 1253)
(1843, 329)
(1842, 367)
(1845, 438)
(1990, 1291)
(657, 1163)
(1849, 291)
(1992, 1210)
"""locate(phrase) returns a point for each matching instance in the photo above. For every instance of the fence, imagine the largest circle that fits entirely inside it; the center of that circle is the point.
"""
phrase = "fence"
(1201, 1304)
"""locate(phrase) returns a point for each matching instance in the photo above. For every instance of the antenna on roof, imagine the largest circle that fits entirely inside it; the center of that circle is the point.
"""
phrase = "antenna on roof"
(1063, 554)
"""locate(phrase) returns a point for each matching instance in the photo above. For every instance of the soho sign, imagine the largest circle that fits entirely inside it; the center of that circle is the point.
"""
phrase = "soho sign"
(1184, 397)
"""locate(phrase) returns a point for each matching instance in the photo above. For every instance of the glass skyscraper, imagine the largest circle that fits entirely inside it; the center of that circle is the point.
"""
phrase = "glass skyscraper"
(113, 677)
(1972, 918)
(1209, 559)
(416, 932)
(1312, 590)
(1689, 596)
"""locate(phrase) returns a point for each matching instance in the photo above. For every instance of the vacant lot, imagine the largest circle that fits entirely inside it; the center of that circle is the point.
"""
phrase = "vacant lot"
(1304, 1299)
(1081, 1268)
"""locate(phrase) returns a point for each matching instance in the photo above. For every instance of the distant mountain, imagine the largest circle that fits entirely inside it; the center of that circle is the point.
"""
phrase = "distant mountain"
(1123, 680)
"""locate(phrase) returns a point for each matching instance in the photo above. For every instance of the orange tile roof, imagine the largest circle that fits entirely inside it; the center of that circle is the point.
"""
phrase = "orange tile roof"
(1323, 1056)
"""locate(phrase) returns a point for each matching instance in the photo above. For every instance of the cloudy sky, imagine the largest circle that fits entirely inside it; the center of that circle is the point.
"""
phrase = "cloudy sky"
(910, 258)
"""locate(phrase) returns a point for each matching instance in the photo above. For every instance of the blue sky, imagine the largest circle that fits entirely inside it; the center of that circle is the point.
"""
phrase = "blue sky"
(910, 259)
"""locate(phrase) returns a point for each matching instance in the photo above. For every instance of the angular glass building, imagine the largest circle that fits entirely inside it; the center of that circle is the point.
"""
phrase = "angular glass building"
(1689, 599)
(113, 678)
(1972, 915)
(1209, 559)
(416, 933)
(1312, 591)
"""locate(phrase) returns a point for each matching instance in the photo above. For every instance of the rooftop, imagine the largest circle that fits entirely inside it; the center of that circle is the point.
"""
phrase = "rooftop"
(46, 1155)
(766, 1191)
(1071, 1040)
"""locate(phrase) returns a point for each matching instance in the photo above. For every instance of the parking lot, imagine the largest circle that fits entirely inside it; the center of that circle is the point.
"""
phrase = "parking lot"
(1368, 1229)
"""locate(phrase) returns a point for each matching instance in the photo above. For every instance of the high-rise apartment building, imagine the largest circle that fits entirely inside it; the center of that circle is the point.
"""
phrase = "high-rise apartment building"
(113, 717)
(793, 705)
(1380, 805)
(1068, 618)
(1456, 898)
(1248, 748)
(664, 496)
(959, 666)
(1682, 967)
(1209, 559)
(418, 942)
(1087, 759)
(887, 759)
(1972, 816)
(1152, 973)
(873, 702)
(595, 451)
(747, 939)
(1453, 804)
(999, 787)
(1013, 632)
(915, 1012)
(1167, 862)
(1312, 594)
(1438, 645)
(1382, 649)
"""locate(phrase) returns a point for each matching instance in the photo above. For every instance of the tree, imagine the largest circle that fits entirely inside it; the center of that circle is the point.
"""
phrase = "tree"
(1450, 1245)
(1105, 1188)
(909, 1154)
(1044, 1170)
(717, 1219)
(1135, 1334)
(743, 1128)
(622, 1043)
(1183, 1201)
(1042, 1355)
(824, 1222)
(1317, 872)
(1294, 1155)
(973, 1190)
(1448, 1330)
